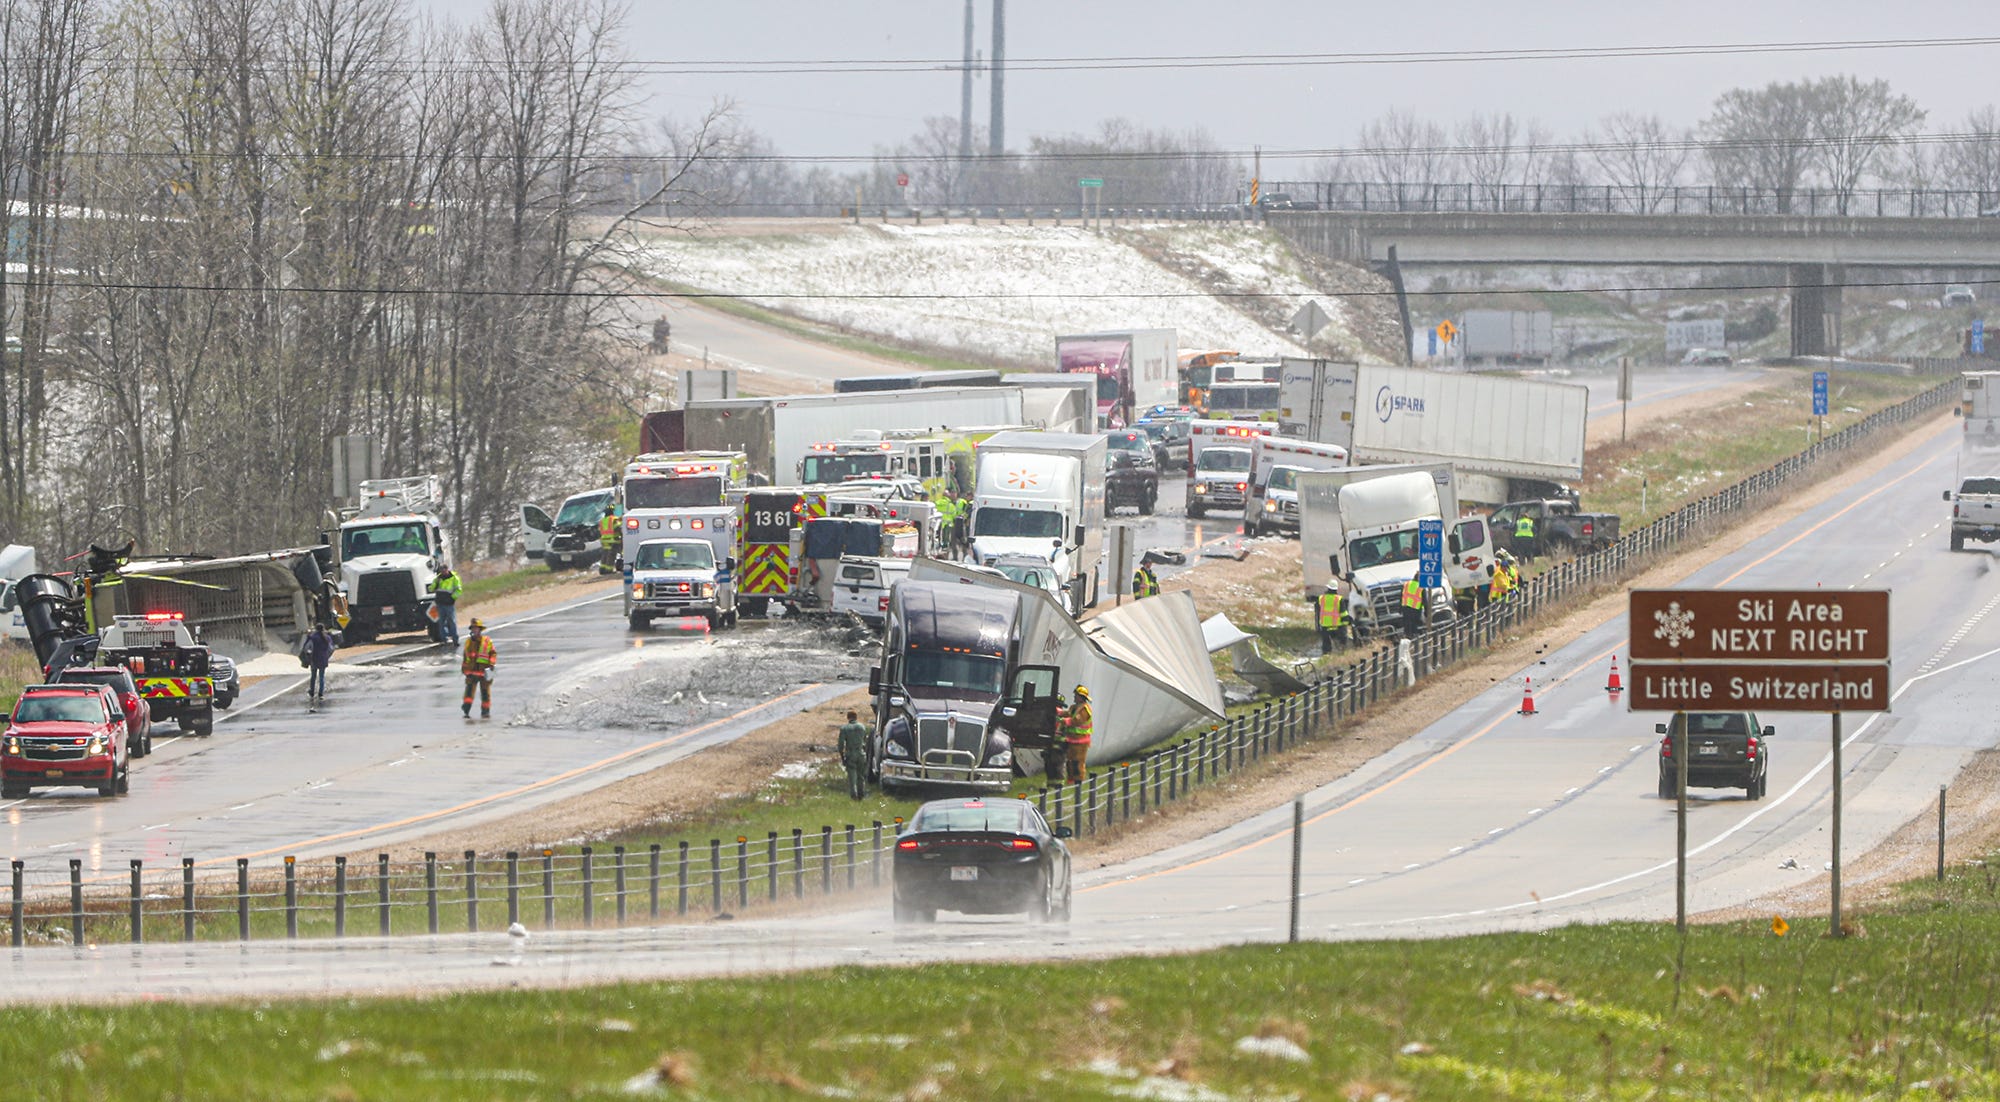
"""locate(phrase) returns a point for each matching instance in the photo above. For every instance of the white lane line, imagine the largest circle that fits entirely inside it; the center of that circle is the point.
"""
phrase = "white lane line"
(156, 826)
(240, 807)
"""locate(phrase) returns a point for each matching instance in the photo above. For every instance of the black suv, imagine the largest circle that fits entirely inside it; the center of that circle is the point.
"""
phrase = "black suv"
(1131, 477)
(1725, 750)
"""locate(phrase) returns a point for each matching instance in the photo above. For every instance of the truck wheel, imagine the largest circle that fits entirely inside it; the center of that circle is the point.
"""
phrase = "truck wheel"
(1196, 509)
(125, 781)
(1957, 542)
(1666, 787)
(136, 746)
(1146, 504)
(734, 613)
(223, 702)
(13, 791)
(715, 621)
(639, 621)
(205, 725)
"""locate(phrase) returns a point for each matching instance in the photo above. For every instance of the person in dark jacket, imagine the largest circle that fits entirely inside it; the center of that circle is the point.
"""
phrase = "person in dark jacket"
(317, 652)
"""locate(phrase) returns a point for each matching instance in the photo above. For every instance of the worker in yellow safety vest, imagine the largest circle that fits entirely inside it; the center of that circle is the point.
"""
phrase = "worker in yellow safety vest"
(1524, 536)
(611, 534)
(1413, 608)
(1503, 581)
(1073, 727)
(1332, 619)
(477, 667)
(1144, 582)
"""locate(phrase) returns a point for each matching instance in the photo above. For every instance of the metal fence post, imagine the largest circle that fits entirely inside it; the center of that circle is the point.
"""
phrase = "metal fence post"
(17, 932)
(742, 872)
(340, 897)
(471, 892)
(850, 857)
(291, 896)
(618, 880)
(715, 874)
(431, 888)
(771, 866)
(875, 857)
(243, 899)
(682, 905)
(548, 888)
(653, 880)
(187, 899)
(76, 902)
(1125, 790)
(382, 892)
(826, 860)
(138, 896)
(798, 863)
(589, 890)
(513, 888)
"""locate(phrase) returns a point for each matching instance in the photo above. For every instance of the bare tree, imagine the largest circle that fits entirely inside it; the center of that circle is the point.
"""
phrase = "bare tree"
(1857, 127)
(1639, 155)
(1762, 139)
(1406, 153)
(1973, 161)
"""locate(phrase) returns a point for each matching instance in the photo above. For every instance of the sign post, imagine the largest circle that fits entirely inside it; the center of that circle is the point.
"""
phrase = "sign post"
(1809, 650)
(1430, 560)
(1819, 401)
(1624, 394)
(1084, 188)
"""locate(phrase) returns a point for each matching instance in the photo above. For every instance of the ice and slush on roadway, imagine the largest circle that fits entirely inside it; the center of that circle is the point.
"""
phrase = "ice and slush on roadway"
(613, 607)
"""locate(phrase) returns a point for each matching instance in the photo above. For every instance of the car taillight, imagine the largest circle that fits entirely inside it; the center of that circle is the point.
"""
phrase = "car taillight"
(130, 702)
(1022, 843)
(1954, 510)
(1667, 747)
(907, 843)
(882, 603)
(1587, 527)
(1752, 752)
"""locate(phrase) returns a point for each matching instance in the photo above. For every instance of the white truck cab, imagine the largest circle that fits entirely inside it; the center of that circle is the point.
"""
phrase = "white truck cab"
(678, 577)
(389, 551)
(1276, 462)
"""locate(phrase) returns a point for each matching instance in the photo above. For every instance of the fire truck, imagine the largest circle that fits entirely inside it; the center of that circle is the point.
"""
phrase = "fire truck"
(942, 460)
(169, 664)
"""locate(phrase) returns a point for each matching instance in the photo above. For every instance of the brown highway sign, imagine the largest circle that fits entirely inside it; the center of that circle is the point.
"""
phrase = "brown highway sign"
(1758, 687)
(1744, 625)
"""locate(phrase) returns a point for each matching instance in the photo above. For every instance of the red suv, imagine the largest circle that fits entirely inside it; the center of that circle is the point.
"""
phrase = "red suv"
(137, 711)
(65, 735)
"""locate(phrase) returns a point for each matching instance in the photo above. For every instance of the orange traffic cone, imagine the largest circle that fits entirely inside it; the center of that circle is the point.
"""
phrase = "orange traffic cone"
(1527, 696)
(1614, 685)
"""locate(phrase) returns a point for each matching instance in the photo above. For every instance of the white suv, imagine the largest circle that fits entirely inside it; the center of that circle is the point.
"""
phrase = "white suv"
(1957, 294)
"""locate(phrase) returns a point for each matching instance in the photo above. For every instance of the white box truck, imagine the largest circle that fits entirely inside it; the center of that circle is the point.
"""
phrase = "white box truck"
(1359, 527)
(1506, 336)
(1979, 406)
(1136, 370)
(1316, 400)
(775, 433)
(1042, 494)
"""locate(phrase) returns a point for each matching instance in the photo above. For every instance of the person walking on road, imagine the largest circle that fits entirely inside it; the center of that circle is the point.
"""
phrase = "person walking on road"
(854, 754)
(1074, 726)
(661, 331)
(1332, 619)
(447, 586)
(477, 666)
(1525, 543)
(317, 653)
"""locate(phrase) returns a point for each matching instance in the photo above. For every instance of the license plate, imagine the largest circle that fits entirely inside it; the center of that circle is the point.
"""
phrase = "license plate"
(52, 773)
(965, 872)
(1708, 749)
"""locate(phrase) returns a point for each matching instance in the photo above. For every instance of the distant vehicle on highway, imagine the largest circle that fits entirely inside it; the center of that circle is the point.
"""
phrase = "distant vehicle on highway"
(1279, 200)
(132, 707)
(1170, 441)
(1975, 510)
(1034, 571)
(1707, 356)
(1725, 750)
(61, 735)
(228, 683)
(981, 856)
(1957, 294)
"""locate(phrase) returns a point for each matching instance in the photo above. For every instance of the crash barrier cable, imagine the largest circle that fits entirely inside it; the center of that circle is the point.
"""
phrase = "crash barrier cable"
(565, 887)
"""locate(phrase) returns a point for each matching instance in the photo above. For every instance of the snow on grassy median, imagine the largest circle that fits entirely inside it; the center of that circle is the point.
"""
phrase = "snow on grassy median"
(986, 291)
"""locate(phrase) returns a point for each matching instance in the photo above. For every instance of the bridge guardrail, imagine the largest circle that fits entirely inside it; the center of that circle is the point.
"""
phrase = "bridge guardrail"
(586, 885)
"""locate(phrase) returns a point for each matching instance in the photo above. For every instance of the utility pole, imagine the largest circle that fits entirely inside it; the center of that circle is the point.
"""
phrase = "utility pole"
(996, 140)
(965, 95)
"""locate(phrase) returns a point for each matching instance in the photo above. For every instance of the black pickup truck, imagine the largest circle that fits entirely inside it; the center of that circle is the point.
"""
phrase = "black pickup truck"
(1559, 526)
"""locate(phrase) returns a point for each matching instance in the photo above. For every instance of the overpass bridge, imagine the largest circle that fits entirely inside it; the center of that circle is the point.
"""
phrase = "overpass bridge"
(1816, 252)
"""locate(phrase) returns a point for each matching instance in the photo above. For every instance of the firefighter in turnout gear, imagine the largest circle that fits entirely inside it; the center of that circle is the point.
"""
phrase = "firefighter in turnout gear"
(477, 666)
(1144, 582)
(1332, 619)
(611, 535)
(1073, 726)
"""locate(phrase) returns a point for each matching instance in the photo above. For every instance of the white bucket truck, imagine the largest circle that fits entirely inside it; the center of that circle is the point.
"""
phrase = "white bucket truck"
(390, 550)
(1042, 494)
(1276, 462)
(1359, 529)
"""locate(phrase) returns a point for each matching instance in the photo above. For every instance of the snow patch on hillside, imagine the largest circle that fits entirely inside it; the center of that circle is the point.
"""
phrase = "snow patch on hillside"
(992, 292)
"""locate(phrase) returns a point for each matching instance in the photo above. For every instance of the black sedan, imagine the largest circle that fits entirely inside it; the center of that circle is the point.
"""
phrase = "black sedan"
(981, 856)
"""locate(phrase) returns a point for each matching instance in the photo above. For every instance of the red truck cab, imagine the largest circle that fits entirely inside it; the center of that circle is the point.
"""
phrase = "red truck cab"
(60, 735)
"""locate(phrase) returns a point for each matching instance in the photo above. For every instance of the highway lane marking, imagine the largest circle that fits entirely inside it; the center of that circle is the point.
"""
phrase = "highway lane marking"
(1959, 635)
(512, 792)
(1768, 806)
(1503, 717)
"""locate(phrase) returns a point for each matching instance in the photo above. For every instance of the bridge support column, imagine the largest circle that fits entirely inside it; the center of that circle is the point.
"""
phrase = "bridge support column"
(1816, 308)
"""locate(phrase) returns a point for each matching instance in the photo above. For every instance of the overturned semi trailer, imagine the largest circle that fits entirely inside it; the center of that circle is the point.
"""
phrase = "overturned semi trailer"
(1145, 662)
(246, 603)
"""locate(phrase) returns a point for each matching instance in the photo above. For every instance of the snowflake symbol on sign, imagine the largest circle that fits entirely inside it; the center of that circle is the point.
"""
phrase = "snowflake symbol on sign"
(1022, 480)
(1676, 624)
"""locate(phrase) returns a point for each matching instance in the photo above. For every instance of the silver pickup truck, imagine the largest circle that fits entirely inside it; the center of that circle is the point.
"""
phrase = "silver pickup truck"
(1975, 511)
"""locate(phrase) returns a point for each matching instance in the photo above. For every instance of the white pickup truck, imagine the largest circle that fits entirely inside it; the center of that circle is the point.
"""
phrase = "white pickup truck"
(1975, 510)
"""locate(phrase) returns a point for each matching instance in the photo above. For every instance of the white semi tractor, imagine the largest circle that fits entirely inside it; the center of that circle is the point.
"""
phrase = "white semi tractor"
(1042, 494)
(1358, 528)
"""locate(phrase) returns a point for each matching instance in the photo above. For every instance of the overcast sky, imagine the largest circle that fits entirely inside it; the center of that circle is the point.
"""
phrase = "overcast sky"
(1290, 107)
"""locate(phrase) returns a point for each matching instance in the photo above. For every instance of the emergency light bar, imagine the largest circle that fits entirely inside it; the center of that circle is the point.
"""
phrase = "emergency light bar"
(166, 616)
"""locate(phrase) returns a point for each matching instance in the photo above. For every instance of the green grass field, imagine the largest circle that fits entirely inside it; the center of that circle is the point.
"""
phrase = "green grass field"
(1903, 1009)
